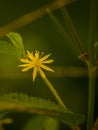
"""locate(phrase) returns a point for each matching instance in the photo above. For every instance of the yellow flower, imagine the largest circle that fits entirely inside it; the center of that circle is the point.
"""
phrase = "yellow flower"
(36, 62)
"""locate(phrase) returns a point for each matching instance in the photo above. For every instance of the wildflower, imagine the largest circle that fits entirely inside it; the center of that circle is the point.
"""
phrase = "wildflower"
(36, 62)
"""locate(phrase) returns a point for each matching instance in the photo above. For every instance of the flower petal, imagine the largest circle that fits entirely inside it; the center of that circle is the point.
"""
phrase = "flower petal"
(26, 69)
(48, 61)
(25, 60)
(34, 73)
(24, 65)
(36, 55)
(44, 58)
(30, 56)
(46, 68)
(36, 62)
(42, 73)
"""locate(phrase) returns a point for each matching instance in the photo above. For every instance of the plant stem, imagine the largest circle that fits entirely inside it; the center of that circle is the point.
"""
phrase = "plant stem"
(30, 17)
(72, 29)
(58, 98)
(51, 87)
(91, 98)
(92, 39)
(67, 38)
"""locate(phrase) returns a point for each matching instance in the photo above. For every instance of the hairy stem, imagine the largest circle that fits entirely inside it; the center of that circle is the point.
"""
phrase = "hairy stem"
(54, 92)
(58, 98)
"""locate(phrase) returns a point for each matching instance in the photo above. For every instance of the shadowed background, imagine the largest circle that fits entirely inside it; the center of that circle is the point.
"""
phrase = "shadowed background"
(70, 77)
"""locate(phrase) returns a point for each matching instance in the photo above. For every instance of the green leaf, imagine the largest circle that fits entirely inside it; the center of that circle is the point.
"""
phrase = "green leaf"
(8, 49)
(24, 103)
(40, 123)
(17, 42)
(14, 47)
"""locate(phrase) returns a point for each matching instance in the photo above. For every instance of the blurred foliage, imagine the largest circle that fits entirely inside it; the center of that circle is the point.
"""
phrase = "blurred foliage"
(42, 122)
(24, 103)
(43, 35)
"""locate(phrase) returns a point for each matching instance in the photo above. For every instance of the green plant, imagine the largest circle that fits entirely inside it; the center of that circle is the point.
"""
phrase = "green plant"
(33, 105)
(24, 103)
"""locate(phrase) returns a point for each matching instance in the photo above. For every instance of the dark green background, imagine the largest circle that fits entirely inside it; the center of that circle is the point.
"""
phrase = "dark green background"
(43, 35)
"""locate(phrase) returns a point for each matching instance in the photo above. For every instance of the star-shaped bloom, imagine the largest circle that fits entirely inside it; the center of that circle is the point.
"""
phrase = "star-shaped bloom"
(37, 63)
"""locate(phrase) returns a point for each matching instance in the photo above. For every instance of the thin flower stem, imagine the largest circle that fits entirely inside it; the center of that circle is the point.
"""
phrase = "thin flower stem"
(54, 92)
(92, 39)
(58, 98)
(72, 29)
(66, 36)
(91, 100)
